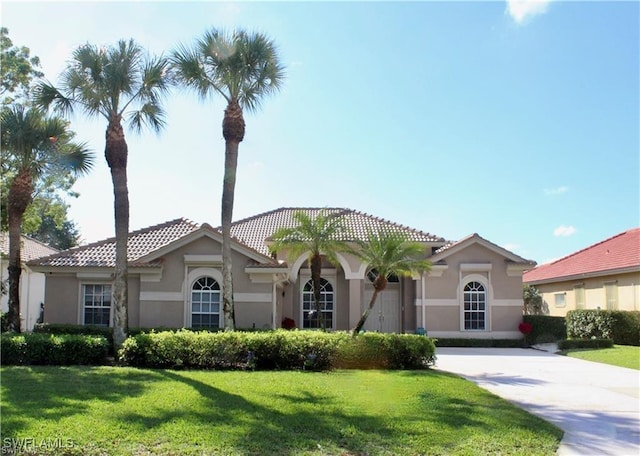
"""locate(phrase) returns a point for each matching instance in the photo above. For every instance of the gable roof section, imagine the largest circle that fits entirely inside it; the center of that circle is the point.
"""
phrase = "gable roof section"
(617, 253)
(253, 231)
(475, 238)
(102, 253)
(30, 250)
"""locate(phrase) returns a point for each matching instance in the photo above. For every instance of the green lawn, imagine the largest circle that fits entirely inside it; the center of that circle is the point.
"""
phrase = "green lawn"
(111, 410)
(619, 355)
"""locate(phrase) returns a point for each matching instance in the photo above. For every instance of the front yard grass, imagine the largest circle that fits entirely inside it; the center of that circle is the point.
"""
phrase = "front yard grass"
(118, 411)
(619, 355)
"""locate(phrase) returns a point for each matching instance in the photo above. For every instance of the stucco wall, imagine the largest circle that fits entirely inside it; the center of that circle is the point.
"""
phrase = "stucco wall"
(61, 299)
(628, 286)
(443, 294)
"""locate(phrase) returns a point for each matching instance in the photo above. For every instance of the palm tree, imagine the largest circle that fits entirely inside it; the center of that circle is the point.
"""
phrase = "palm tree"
(34, 147)
(316, 236)
(388, 253)
(243, 68)
(117, 82)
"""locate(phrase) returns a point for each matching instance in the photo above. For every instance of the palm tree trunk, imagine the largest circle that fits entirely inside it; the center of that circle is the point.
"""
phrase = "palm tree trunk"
(316, 271)
(233, 132)
(378, 285)
(116, 153)
(19, 197)
(365, 314)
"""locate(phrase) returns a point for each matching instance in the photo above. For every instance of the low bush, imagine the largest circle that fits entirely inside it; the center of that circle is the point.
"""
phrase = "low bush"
(545, 328)
(486, 343)
(626, 327)
(50, 349)
(569, 344)
(623, 327)
(277, 350)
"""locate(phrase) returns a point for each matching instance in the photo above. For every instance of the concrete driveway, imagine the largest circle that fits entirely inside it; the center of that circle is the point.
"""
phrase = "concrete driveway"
(596, 405)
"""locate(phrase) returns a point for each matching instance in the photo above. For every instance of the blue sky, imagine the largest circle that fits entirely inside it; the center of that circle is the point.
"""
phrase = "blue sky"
(518, 121)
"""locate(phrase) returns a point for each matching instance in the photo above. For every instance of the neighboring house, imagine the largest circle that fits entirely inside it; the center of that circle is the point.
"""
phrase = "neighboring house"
(32, 283)
(473, 290)
(605, 275)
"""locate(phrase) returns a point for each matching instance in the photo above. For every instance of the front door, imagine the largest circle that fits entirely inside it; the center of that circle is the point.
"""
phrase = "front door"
(385, 315)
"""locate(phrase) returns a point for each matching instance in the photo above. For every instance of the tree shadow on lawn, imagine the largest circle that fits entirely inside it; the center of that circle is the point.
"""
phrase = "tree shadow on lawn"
(459, 407)
(52, 393)
(310, 422)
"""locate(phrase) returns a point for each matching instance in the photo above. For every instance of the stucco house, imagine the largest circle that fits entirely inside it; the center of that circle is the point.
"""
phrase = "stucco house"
(474, 288)
(31, 282)
(605, 275)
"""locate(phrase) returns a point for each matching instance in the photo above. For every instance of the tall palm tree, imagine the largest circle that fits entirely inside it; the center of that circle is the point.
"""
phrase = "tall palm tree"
(323, 234)
(243, 68)
(34, 147)
(388, 253)
(116, 82)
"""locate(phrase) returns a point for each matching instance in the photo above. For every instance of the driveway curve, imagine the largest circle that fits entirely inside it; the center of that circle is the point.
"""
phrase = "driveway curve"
(596, 405)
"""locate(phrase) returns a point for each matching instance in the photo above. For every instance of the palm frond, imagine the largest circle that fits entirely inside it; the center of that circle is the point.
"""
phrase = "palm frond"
(239, 66)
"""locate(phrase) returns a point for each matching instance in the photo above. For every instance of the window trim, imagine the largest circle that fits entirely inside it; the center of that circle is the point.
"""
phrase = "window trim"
(220, 310)
(191, 275)
(331, 281)
(81, 299)
(488, 294)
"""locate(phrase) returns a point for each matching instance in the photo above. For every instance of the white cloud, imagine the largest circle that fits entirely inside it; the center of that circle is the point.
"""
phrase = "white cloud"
(556, 191)
(564, 231)
(521, 10)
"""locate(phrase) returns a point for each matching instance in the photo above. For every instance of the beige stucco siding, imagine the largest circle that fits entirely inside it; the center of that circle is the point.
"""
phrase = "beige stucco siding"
(443, 318)
(628, 291)
(505, 318)
(166, 314)
(253, 315)
(61, 299)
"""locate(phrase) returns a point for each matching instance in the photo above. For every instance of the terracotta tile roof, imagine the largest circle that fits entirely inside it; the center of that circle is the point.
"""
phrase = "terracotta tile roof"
(254, 230)
(141, 243)
(31, 248)
(618, 252)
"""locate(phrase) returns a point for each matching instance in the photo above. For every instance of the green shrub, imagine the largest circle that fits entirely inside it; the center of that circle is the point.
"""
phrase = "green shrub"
(626, 327)
(623, 327)
(50, 349)
(569, 344)
(279, 349)
(545, 328)
(589, 324)
(486, 343)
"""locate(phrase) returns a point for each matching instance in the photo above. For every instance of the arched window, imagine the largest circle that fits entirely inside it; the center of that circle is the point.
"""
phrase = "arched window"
(310, 318)
(205, 303)
(475, 306)
(373, 274)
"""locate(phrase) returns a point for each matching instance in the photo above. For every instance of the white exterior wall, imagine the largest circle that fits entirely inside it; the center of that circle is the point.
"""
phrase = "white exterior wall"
(31, 295)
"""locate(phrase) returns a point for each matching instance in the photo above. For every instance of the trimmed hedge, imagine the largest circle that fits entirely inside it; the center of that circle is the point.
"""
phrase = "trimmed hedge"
(569, 344)
(482, 343)
(545, 328)
(50, 349)
(623, 327)
(277, 350)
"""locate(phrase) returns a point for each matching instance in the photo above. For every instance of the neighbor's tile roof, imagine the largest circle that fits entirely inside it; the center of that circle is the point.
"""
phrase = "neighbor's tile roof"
(141, 243)
(621, 251)
(254, 230)
(30, 250)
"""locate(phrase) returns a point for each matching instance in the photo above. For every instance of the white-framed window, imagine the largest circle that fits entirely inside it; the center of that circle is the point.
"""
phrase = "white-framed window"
(310, 318)
(611, 295)
(205, 303)
(96, 304)
(560, 299)
(474, 306)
